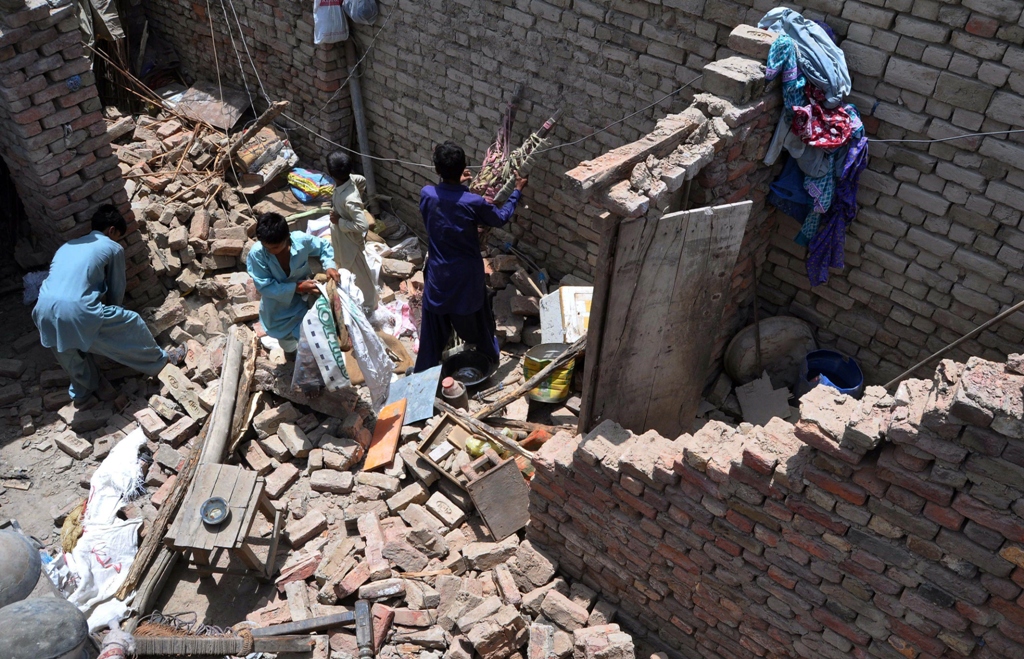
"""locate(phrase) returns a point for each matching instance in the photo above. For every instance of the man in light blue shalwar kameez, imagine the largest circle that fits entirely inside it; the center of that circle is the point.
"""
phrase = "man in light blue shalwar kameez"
(279, 267)
(79, 311)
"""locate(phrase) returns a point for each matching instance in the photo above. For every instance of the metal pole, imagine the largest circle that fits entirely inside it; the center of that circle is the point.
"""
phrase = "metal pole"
(360, 116)
(974, 332)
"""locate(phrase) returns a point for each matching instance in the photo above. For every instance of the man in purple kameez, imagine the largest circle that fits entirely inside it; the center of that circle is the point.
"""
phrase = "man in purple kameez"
(454, 296)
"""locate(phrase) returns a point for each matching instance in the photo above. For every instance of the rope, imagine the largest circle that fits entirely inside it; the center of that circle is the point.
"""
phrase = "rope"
(248, 642)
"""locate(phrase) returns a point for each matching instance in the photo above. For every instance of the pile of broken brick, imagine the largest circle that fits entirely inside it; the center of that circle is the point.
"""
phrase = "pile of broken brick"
(404, 538)
(441, 585)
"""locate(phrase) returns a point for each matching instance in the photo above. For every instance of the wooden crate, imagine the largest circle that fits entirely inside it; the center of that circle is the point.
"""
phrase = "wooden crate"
(450, 429)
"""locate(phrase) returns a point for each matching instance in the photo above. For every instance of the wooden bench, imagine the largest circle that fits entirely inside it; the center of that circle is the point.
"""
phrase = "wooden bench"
(243, 490)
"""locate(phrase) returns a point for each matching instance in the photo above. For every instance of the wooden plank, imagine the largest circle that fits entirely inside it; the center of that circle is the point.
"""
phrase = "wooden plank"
(502, 497)
(242, 507)
(240, 420)
(249, 558)
(669, 285)
(257, 497)
(182, 529)
(308, 625)
(598, 310)
(385, 435)
(204, 537)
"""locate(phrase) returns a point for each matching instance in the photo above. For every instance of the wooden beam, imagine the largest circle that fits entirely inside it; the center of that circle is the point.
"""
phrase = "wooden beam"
(308, 625)
(503, 401)
(223, 411)
(240, 420)
(483, 428)
(598, 310)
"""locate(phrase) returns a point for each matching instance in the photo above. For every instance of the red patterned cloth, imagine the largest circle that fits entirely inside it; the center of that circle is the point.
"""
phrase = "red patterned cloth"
(818, 126)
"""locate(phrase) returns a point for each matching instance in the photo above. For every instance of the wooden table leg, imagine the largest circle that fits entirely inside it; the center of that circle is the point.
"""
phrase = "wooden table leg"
(274, 538)
(201, 557)
(252, 562)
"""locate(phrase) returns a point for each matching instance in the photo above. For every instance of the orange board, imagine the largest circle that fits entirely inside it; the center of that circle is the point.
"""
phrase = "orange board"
(385, 435)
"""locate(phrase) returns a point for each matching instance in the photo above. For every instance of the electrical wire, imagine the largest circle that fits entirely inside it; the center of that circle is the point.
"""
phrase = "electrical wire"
(953, 137)
(241, 67)
(555, 147)
(352, 72)
(241, 37)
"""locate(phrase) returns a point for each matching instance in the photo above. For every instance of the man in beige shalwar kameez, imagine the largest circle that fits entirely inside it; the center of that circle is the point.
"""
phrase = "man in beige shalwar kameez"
(351, 222)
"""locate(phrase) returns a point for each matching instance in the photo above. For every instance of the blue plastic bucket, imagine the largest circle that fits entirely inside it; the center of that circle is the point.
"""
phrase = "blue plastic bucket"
(833, 369)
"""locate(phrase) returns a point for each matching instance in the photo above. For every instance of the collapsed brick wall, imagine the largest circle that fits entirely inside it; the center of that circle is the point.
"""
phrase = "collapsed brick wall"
(53, 136)
(892, 526)
(708, 155)
(278, 35)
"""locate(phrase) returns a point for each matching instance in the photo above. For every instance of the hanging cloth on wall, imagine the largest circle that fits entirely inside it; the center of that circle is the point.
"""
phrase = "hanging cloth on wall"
(825, 139)
(827, 248)
(819, 58)
(819, 126)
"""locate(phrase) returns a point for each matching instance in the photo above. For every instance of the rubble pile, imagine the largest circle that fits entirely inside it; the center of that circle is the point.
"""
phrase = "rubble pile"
(404, 537)
(440, 584)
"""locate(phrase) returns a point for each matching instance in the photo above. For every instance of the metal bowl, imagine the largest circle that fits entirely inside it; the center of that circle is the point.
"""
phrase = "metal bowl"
(215, 511)
(468, 367)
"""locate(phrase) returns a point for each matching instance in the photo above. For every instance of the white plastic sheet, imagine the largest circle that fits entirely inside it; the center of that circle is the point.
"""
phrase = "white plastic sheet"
(107, 548)
(369, 351)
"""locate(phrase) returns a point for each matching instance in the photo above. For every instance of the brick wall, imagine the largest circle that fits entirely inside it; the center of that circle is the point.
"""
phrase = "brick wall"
(445, 70)
(279, 37)
(936, 249)
(937, 246)
(708, 155)
(886, 527)
(53, 136)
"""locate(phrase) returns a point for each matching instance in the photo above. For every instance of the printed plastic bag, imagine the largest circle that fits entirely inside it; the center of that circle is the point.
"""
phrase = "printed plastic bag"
(363, 12)
(306, 376)
(329, 22)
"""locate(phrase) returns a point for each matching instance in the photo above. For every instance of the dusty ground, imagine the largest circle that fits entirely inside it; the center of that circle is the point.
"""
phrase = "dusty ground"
(55, 478)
